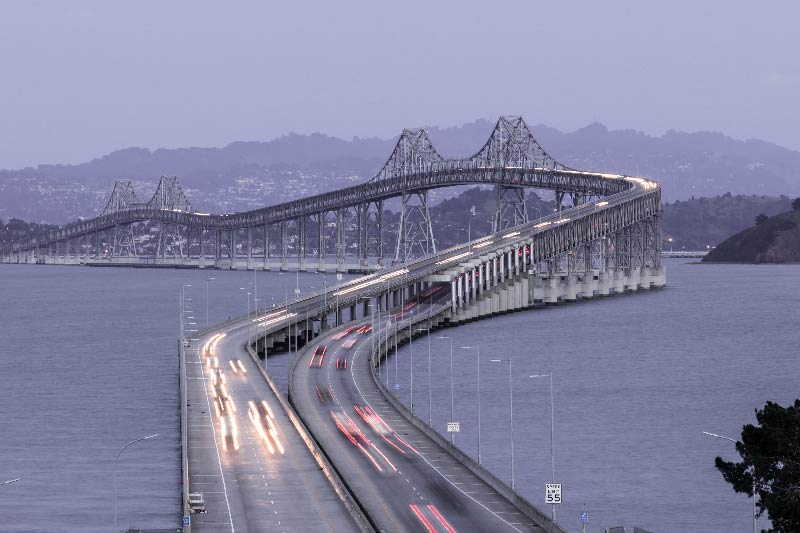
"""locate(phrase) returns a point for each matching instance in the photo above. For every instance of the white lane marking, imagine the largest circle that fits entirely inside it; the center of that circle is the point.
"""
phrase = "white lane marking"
(219, 459)
(352, 367)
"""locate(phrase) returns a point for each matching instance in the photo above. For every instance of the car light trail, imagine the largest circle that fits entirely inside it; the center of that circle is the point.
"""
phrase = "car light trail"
(241, 366)
(512, 234)
(542, 224)
(483, 244)
(233, 367)
(366, 284)
(454, 258)
(267, 410)
(601, 204)
(270, 315)
(422, 518)
(441, 519)
(561, 221)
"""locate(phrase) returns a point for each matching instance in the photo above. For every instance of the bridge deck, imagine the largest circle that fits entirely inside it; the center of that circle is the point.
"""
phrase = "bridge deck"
(251, 489)
(406, 470)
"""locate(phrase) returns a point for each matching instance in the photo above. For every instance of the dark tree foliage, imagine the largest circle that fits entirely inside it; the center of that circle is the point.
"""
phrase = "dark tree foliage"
(771, 454)
(796, 204)
(761, 218)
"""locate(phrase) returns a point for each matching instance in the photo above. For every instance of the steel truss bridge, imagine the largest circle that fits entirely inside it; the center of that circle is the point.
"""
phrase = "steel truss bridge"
(345, 229)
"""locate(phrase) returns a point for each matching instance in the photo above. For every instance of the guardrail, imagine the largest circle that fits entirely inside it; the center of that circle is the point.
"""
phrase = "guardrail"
(487, 477)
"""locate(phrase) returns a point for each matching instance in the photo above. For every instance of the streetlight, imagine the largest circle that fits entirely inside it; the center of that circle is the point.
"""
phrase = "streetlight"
(248, 314)
(325, 299)
(552, 445)
(478, 348)
(115, 472)
(511, 411)
(452, 434)
(670, 244)
(753, 473)
(207, 280)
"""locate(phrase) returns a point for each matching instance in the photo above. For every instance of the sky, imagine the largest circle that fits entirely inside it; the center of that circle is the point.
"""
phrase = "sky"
(80, 79)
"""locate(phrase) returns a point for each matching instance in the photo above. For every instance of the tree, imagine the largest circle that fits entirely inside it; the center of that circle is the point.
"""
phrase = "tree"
(796, 204)
(761, 218)
(771, 464)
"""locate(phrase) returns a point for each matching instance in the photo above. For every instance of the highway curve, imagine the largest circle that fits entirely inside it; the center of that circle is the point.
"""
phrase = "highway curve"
(403, 479)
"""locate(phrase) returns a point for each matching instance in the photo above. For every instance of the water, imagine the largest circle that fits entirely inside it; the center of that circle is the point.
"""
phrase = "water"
(88, 359)
(89, 362)
(637, 378)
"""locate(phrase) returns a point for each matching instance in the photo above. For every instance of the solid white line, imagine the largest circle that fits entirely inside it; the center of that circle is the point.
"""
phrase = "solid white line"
(352, 366)
(219, 459)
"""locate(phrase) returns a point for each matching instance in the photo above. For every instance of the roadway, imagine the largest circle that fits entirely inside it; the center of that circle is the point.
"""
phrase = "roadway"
(255, 475)
(402, 478)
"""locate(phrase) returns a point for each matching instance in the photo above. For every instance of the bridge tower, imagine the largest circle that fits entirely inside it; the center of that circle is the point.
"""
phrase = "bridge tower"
(413, 155)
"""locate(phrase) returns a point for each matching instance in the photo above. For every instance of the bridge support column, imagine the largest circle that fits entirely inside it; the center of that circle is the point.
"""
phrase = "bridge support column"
(201, 257)
(511, 210)
(321, 242)
(249, 249)
(603, 283)
(284, 247)
(234, 250)
(303, 260)
(266, 247)
(414, 232)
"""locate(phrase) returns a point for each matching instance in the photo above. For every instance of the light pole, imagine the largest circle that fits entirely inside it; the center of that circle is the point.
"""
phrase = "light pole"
(552, 440)
(207, 280)
(325, 300)
(753, 473)
(452, 403)
(115, 472)
(670, 244)
(478, 348)
(248, 314)
(511, 412)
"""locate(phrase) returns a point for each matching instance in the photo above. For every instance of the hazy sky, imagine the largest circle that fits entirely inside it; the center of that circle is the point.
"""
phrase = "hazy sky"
(80, 79)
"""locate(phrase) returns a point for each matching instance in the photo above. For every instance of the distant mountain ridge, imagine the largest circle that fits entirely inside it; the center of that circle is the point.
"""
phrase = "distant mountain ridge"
(244, 175)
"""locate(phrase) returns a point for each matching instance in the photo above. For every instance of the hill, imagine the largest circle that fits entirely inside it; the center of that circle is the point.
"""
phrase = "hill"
(246, 175)
(775, 240)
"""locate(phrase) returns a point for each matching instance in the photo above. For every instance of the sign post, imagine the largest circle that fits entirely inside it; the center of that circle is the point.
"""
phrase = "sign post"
(552, 495)
(584, 520)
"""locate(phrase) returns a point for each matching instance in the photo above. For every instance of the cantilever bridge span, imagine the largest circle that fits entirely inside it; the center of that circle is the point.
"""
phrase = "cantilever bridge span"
(345, 225)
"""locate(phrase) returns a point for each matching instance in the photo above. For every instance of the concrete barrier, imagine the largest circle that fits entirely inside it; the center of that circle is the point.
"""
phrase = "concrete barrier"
(185, 509)
(487, 477)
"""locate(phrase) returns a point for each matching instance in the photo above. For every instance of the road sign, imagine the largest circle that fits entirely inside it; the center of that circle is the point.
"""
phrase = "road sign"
(453, 427)
(187, 521)
(552, 493)
(297, 291)
(397, 386)
(584, 517)
(339, 277)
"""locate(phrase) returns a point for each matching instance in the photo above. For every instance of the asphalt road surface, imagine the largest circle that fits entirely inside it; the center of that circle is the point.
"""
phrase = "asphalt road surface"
(405, 481)
(254, 470)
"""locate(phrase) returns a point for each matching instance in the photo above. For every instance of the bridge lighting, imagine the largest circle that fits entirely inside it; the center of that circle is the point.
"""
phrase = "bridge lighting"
(561, 221)
(512, 234)
(484, 243)
(454, 258)
(542, 224)
(379, 279)
(270, 315)
(601, 204)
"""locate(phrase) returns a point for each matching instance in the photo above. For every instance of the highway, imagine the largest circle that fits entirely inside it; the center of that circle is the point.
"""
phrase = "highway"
(403, 479)
(253, 468)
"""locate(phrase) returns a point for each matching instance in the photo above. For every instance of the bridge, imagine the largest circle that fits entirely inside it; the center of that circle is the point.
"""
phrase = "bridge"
(342, 230)
(369, 447)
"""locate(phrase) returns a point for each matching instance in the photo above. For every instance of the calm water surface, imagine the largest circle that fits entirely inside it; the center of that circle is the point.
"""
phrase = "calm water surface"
(88, 357)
